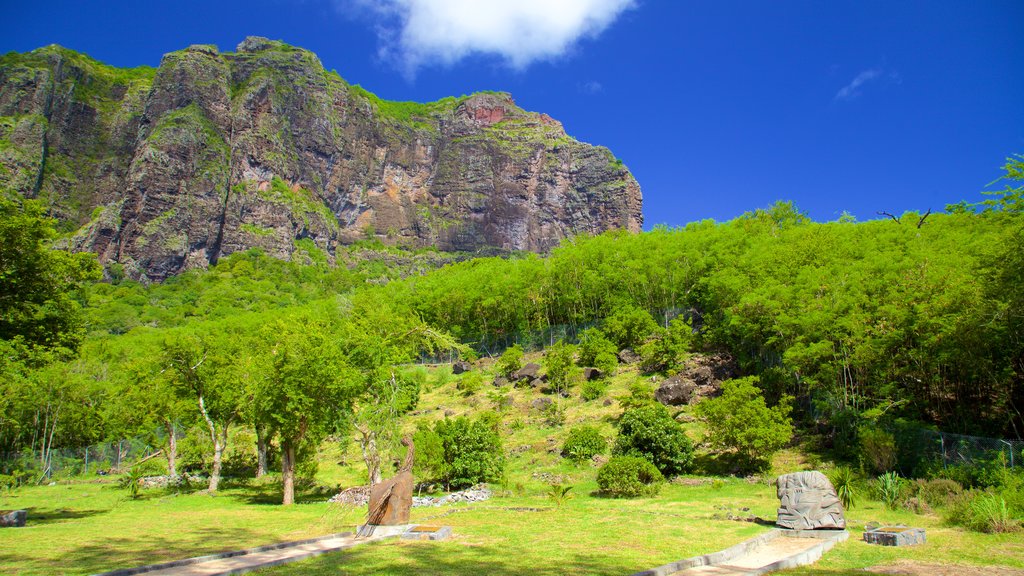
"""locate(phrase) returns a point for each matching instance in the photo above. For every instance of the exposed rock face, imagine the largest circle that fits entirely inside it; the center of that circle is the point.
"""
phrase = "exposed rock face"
(211, 153)
(807, 501)
(701, 377)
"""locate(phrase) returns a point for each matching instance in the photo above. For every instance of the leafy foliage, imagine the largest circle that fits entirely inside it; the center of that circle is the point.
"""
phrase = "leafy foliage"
(629, 477)
(629, 326)
(741, 422)
(562, 371)
(472, 451)
(651, 433)
(583, 443)
(511, 361)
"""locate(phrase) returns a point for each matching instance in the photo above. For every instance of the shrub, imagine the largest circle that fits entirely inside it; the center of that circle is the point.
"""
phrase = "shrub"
(651, 433)
(640, 394)
(594, 343)
(878, 449)
(740, 421)
(593, 389)
(607, 363)
(889, 487)
(429, 461)
(629, 327)
(472, 451)
(470, 383)
(554, 414)
(559, 494)
(989, 513)
(938, 492)
(583, 443)
(669, 350)
(629, 477)
(843, 480)
(558, 360)
(511, 361)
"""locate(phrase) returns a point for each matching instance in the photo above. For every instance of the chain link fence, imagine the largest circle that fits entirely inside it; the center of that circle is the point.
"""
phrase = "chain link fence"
(956, 449)
(108, 457)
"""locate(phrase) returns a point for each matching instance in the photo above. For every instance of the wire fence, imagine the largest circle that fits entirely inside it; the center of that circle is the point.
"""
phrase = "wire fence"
(956, 449)
(107, 457)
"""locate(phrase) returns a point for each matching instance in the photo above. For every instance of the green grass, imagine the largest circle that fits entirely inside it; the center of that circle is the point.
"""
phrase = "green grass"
(88, 527)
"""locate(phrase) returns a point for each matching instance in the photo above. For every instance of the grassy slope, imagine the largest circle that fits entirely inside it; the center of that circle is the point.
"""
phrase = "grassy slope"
(85, 528)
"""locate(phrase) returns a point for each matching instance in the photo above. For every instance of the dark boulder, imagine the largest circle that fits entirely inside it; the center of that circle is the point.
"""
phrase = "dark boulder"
(12, 518)
(528, 372)
(541, 403)
(500, 381)
(676, 391)
(627, 356)
(592, 374)
(460, 367)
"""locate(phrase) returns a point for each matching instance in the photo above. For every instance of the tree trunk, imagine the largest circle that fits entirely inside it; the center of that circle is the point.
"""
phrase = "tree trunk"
(219, 443)
(261, 450)
(172, 452)
(288, 472)
(371, 455)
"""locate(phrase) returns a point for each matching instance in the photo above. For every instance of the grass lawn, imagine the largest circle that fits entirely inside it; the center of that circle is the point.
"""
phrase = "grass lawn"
(90, 526)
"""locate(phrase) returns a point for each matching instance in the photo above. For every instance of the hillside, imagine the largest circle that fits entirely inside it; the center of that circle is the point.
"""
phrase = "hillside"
(167, 169)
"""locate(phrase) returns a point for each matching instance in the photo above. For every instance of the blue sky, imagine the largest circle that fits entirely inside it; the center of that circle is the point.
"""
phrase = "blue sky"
(717, 107)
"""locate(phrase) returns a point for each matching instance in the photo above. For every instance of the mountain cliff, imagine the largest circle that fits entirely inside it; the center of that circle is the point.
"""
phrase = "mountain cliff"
(172, 168)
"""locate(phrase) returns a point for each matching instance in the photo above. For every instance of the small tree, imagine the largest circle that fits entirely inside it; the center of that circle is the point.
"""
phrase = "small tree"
(558, 360)
(309, 383)
(668, 351)
(472, 451)
(629, 477)
(629, 327)
(650, 432)
(511, 361)
(594, 343)
(739, 421)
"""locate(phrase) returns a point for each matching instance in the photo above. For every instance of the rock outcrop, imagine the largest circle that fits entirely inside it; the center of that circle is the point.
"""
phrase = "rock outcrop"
(167, 169)
(701, 377)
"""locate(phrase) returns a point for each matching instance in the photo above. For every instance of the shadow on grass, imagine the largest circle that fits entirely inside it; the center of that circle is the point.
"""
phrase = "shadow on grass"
(114, 553)
(270, 493)
(37, 515)
(399, 558)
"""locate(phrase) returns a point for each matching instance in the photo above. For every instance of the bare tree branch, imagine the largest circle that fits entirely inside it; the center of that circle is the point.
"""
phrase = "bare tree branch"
(894, 219)
(921, 221)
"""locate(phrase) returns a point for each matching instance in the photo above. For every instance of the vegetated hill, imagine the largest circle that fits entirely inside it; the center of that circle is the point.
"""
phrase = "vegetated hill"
(167, 169)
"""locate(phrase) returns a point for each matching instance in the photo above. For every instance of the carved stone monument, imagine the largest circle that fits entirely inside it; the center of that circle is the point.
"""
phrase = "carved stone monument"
(807, 501)
(391, 500)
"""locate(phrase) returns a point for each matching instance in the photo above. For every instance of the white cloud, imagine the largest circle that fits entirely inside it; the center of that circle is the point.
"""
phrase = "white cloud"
(591, 87)
(855, 87)
(852, 90)
(423, 32)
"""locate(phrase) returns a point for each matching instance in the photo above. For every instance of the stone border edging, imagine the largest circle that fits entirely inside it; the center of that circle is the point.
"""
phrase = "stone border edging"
(829, 537)
(219, 556)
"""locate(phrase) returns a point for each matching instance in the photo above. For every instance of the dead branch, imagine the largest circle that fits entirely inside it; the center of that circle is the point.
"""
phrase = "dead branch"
(921, 221)
(894, 219)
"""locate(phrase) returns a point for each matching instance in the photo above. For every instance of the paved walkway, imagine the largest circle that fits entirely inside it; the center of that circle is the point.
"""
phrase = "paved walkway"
(246, 561)
(771, 551)
(757, 559)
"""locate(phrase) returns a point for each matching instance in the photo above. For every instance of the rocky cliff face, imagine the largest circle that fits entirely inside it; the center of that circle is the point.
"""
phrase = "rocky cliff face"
(171, 168)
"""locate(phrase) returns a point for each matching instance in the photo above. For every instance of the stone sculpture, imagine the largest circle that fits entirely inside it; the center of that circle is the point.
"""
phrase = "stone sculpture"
(807, 501)
(391, 500)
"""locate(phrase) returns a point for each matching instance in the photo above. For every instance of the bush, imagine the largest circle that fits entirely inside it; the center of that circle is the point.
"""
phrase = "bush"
(593, 389)
(938, 492)
(740, 421)
(593, 344)
(640, 394)
(629, 327)
(669, 350)
(558, 360)
(878, 449)
(651, 433)
(889, 488)
(583, 443)
(470, 383)
(472, 451)
(844, 481)
(982, 512)
(607, 363)
(511, 361)
(629, 477)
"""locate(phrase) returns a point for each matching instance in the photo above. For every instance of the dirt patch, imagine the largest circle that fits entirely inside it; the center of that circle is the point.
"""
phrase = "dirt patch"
(909, 568)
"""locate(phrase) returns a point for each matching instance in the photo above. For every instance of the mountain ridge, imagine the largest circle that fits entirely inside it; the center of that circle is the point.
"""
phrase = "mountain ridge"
(169, 168)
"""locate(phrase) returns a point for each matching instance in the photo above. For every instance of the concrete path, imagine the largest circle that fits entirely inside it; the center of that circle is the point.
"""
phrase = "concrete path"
(775, 550)
(242, 561)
